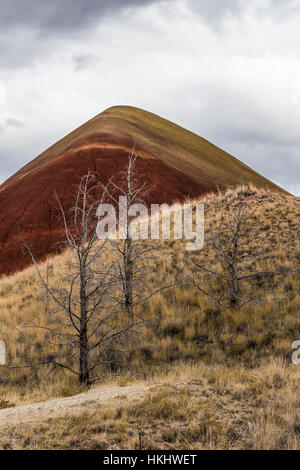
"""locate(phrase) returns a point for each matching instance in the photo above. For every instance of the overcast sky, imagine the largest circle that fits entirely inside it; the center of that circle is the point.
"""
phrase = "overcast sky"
(228, 70)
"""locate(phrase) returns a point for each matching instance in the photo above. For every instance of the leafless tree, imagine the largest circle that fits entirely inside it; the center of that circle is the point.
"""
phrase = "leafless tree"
(135, 268)
(87, 308)
(106, 283)
(233, 244)
(83, 308)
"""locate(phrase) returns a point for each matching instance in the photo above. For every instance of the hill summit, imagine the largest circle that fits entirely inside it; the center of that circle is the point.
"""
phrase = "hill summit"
(176, 163)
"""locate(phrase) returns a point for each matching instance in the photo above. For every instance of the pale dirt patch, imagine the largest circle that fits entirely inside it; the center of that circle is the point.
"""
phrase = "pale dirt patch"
(53, 408)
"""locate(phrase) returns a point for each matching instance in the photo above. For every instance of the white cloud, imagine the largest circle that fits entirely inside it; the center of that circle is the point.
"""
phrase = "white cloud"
(236, 85)
(2, 93)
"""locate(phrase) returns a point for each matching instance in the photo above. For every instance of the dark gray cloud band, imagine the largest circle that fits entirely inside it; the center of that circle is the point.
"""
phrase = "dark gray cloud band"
(27, 26)
(60, 16)
(64, 16)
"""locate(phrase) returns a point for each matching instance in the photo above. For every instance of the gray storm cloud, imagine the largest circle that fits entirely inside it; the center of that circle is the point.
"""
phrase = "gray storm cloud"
(227, 69)
(60, 16)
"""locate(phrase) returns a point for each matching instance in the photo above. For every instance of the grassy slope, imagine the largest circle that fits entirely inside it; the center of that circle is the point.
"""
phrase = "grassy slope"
(241, 372)
(175, 146)
(184, 330)
(188, 407)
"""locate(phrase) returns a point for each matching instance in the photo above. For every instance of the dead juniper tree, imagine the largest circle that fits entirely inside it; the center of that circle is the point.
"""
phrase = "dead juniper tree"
(135, 276)
(82, 308)
(106, 275)
(97, 304)
(235, 257)
(85, 315)
(132, 250)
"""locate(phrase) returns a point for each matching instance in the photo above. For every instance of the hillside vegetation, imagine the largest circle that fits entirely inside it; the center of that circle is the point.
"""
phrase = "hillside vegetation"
(154, 137)
(224, 377)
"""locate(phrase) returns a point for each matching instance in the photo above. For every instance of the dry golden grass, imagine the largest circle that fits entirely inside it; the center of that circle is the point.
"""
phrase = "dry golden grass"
(238, 387)
(194, 407)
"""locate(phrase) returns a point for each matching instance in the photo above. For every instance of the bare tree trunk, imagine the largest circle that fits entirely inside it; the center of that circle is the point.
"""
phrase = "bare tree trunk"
(235, 288)
(47, 293)
(234, 293)
(128, 268)
(84, 376)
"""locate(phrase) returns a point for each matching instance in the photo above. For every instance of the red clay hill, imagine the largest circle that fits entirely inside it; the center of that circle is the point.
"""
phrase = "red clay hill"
(177, 164)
